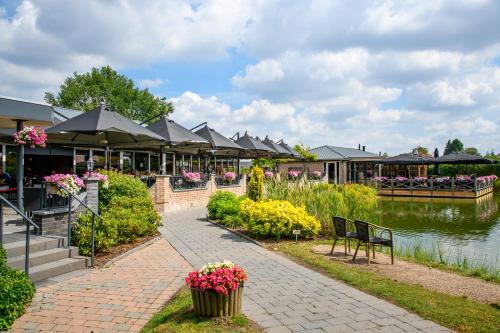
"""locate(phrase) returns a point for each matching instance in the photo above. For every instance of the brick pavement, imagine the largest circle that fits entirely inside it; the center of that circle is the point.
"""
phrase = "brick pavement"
(283, 296)
(122, 297)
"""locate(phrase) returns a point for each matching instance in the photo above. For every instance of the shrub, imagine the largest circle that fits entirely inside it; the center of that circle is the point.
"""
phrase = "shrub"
(16, 290)
(325, 200)
(127, 211)
(256, 184)
(223, 203)
(120, 185)
(277, 219)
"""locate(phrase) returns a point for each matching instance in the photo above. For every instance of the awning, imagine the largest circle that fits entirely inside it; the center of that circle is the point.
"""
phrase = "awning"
(34, 114)
(405, 159)
(462, 158)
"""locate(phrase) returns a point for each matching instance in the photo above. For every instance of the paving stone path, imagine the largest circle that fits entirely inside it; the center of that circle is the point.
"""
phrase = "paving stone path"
(283, 296)
(122, 297)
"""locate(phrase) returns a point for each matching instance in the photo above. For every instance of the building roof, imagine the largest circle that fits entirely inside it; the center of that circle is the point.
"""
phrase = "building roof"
(332, 153)
(406, 159)
(33, 113)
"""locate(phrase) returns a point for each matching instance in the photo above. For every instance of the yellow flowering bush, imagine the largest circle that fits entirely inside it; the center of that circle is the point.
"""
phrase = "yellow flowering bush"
(277, 219)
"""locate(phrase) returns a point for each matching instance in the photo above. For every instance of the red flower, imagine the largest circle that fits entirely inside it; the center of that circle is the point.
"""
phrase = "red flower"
(221, 280)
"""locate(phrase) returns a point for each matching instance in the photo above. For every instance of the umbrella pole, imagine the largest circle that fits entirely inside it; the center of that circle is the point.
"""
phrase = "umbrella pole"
(20, 170)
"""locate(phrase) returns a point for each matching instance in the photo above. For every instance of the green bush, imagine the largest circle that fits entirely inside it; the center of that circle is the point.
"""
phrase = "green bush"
(16, 290)
(128, 213)
(232, 221)
(120, 185)
(256, 184)
(223, 203)
(277, 219)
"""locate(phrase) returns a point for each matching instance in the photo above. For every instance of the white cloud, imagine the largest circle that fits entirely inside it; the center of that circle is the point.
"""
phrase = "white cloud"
(154, 83)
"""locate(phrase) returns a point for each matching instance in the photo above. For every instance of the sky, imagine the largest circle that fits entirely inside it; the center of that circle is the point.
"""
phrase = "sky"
(389, 75)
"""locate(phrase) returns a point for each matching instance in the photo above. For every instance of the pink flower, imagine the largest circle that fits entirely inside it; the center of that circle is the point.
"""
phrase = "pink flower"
(32, 136)
(222, 280)
(229, 176)
(268, 174)
(191, 176)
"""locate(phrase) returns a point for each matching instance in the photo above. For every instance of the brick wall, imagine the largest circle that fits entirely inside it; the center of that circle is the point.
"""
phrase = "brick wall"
(167, 200)
(307, 166)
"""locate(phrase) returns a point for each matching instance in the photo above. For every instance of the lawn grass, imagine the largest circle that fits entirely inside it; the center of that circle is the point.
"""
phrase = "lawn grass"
(454, 312)
(177, 316)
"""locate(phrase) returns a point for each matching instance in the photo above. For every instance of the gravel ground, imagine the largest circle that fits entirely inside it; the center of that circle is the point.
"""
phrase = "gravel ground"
(430, 278)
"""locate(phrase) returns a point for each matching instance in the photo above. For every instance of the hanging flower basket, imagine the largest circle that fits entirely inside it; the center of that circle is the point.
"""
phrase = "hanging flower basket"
(217, 289)
(31, 136)
(72, 183)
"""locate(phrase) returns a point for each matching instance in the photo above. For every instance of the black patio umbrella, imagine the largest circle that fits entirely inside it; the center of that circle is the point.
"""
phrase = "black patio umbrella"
(281, 151)
(462, 158)
(221, 145)
(294, 153)
(406, 159)
(178, 138)
(102, 127)
(253, 147)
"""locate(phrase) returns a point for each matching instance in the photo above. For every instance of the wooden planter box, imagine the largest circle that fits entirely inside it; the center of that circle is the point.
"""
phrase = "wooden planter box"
(211, 304)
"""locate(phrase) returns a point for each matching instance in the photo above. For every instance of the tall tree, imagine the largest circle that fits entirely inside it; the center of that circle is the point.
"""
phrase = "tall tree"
(85, 91)
(304, 151)
(436, 152)
(472, 151)
(421, 151)
(453, 146)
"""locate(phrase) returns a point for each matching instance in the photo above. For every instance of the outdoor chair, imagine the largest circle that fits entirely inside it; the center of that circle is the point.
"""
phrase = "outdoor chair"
(371, 234)
(340, 225)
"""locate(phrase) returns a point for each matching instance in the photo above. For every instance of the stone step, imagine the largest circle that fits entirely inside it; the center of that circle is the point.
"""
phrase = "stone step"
(42, 257)
(37, 244)
(54, 268)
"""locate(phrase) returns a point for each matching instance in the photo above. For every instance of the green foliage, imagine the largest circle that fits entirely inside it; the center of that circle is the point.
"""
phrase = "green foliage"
(256, 184)
(325, 200)
(453, 146)
(455, 312)
(120, 185)
(277, 219)
(421, 151)
(472, 151)
(128, 213)
(16, 290)
(85, 91)
(304, 151)
(222, 204)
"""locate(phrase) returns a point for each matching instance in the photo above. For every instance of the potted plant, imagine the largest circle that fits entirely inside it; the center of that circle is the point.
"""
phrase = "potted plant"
(229, 177)
(192, 177)
(31, 136)
(217, 289)
(71, 182)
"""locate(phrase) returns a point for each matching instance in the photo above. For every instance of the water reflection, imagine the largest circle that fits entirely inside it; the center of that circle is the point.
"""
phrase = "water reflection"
(462, 227)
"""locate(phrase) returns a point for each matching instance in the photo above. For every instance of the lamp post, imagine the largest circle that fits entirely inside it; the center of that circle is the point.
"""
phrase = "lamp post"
(90, 165)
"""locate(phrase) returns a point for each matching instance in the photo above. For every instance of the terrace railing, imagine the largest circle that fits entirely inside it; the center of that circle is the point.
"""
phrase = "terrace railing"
(29, 224)
(435, 184)
(220, 181)
(180, 183)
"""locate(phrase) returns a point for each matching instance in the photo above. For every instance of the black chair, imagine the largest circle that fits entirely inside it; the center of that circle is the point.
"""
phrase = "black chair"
(340, 225)
(367, 235)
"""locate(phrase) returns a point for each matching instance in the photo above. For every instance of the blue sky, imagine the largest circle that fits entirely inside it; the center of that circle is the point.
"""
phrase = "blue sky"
(386, 74)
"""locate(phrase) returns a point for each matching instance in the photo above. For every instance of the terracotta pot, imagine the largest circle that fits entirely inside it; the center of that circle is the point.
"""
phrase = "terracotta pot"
(211, 304)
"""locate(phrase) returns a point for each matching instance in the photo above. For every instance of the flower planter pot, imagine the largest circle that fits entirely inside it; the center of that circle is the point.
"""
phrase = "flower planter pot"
(51, 189)
(211, 304)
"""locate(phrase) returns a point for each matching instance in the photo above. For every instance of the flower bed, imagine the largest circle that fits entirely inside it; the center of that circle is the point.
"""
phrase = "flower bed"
(216, 289)
(70, 182)
(103, 179)
(31, 136)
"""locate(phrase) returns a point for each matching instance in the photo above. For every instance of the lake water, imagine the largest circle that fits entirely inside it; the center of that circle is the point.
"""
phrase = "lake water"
(468, 228)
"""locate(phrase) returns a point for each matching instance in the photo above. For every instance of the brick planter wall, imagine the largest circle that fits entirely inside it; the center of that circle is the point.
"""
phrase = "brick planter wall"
(167, 199)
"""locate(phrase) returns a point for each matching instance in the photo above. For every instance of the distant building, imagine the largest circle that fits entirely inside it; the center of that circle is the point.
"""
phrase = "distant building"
(338, 165)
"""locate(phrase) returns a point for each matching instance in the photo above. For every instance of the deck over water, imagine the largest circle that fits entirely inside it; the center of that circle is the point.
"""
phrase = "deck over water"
(423, 192)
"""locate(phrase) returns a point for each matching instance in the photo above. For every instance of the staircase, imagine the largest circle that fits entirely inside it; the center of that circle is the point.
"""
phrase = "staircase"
(48, 256)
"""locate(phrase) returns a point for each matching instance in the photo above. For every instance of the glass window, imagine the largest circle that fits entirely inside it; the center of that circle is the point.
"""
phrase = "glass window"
(10, 161)
(154, 161)
(115, 160)
(99, 158)
(141, 161)
(127, 161)
(169, 164)
(81, 158)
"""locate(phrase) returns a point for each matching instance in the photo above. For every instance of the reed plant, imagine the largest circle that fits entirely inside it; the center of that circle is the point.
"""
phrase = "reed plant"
(436, 256)
(352, 201)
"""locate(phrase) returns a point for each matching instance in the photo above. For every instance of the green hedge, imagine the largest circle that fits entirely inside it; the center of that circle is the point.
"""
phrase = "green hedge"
(16, 290)
(128, 213)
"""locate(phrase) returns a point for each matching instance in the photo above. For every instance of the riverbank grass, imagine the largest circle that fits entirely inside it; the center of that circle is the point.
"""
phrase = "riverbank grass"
(454, 312)
(177, 316)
